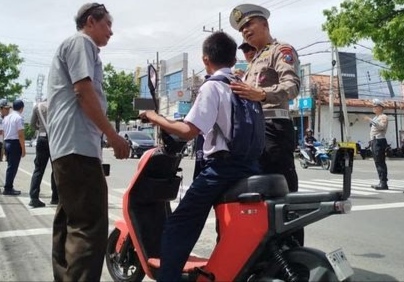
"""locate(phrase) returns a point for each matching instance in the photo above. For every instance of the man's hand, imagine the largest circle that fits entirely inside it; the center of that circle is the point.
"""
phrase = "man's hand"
(366, 118)
(150, 116)
(120, 146)
(245, 91)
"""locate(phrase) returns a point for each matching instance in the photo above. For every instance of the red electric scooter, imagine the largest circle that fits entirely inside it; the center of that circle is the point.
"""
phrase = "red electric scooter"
(256, 220)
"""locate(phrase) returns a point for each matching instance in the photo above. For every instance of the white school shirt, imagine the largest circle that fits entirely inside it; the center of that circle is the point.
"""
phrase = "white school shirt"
(213, 106)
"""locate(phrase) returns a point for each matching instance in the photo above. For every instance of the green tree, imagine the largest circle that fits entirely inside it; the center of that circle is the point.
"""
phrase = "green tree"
(378, 20)
(29, 131)
(120, 89)
(9, 72)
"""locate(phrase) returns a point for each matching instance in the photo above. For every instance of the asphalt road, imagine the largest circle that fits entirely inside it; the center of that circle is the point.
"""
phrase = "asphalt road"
(371, 235)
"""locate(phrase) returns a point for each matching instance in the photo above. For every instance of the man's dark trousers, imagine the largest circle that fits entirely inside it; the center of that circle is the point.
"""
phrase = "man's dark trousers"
(80, 226)
(13, 154)
(41, 161)
(379, 155)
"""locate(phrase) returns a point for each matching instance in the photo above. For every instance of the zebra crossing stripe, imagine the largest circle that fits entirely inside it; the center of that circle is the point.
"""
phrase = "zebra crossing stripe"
(2, 214)
(323, 188)
(356, 186)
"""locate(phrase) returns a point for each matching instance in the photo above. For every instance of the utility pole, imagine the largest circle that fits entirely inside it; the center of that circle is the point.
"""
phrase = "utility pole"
(212, 30)
(342, 99)
(331, 96)
(39, 86)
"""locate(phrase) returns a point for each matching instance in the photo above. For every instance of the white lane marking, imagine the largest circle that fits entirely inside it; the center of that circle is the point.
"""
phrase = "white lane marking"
(26, 232)
(378, 207)
(2, 214)
(37, 211)
(30, 174)
(364, 186)
(335, 189)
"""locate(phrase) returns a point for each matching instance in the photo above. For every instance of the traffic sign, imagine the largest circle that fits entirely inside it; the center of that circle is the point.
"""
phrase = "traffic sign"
(305, 103)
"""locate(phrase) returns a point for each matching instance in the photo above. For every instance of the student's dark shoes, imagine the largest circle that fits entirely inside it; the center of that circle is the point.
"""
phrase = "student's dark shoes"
(11, 192)
(36, 203)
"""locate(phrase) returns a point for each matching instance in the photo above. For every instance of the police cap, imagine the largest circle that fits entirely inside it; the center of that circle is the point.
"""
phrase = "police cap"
(377, 102)
(244, 13)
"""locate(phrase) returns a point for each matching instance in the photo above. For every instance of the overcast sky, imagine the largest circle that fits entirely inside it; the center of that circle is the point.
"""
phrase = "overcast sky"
(143, 28)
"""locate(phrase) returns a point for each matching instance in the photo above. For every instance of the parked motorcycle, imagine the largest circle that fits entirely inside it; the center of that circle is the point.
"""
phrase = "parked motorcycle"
(256, 219)
(321, 157)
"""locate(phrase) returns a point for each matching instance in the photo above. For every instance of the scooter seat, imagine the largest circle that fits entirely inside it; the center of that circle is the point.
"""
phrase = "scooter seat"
(192, 263)
(267, 185)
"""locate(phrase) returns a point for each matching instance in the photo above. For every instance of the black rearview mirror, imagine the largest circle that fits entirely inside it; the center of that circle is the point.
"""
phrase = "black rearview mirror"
(152, 83)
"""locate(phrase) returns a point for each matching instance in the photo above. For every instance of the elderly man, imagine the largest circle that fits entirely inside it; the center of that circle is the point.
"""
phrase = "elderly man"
(76, 122)
(378, 129)
(271, 78)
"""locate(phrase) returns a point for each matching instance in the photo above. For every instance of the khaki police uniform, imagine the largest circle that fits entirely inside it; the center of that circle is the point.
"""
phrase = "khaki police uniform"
(274, 69)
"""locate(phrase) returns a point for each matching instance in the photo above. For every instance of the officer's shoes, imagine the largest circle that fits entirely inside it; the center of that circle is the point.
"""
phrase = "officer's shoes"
(380, 186)
(54, 202)
(36, 203)
(11, 192)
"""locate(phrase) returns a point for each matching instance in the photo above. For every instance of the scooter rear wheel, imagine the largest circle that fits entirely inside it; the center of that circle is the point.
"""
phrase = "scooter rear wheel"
(309, 264)
(129, 270)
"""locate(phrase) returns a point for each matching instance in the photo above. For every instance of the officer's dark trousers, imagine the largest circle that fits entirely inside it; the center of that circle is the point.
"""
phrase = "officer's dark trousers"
(40, 162)
(379, 156)
(13, 155)
(80, 226)
(185, 224)
(278, 155)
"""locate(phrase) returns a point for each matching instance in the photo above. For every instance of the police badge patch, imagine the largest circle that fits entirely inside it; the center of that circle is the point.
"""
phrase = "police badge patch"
(287, 55)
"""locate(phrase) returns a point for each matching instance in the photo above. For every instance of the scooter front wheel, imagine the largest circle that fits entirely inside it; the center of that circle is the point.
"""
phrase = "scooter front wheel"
(122, 269)
(303, 163)
(325, 164)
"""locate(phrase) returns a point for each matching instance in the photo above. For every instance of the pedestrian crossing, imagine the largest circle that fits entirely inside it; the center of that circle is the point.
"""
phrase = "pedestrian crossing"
(359, 187)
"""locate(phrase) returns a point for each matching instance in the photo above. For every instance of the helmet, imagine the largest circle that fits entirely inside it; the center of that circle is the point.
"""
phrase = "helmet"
(309, 130)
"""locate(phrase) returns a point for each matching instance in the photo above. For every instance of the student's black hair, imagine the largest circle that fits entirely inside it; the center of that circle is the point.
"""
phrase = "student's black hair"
(220, 48)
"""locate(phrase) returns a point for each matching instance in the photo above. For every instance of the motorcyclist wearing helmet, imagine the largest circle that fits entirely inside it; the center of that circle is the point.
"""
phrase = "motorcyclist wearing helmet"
(309, 144)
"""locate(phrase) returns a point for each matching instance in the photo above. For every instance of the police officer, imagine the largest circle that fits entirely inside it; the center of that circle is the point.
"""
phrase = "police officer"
(272, 77)
(378, 129)
(249, 53)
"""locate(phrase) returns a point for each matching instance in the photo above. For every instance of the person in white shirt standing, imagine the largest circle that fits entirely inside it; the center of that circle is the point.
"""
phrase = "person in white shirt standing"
(14, 141)
(4, 111)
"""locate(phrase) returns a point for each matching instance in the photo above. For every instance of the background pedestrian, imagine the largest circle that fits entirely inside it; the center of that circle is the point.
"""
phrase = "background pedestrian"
(14, 140)
(4, 111)
(38, 122)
